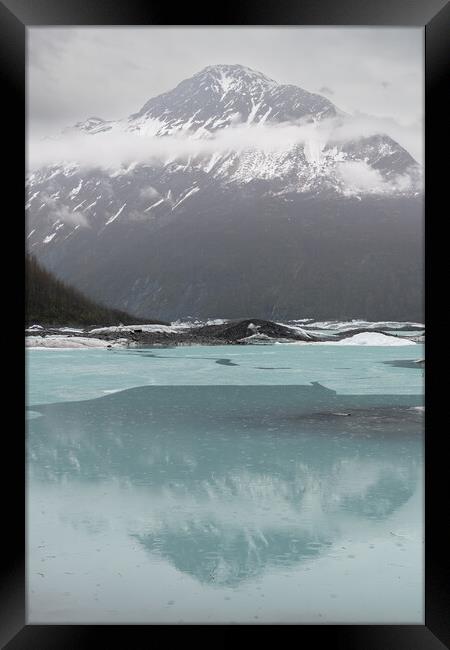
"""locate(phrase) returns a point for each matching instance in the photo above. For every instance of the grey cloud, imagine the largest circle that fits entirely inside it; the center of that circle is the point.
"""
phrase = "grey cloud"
(75, 218)
(62, 213)
(149, 192)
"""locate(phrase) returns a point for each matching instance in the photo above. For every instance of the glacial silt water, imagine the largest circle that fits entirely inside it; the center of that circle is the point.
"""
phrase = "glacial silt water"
(279, 483)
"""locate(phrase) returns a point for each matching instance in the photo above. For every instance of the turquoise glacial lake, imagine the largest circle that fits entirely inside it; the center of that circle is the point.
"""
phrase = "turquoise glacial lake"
(235, 484)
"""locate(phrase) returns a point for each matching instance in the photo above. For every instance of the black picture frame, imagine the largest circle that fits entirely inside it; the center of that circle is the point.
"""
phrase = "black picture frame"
(433, 15)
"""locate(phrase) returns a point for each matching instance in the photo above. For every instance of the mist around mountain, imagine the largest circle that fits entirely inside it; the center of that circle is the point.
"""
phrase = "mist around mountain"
(232, 195)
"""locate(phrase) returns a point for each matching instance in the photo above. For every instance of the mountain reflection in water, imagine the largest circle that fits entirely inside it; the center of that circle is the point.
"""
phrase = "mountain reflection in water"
(237, 479)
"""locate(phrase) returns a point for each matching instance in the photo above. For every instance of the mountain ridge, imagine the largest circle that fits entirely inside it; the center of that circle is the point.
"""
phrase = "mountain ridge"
(113, 230)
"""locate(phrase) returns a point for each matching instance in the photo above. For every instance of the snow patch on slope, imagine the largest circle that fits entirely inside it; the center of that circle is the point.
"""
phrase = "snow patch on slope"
(373, 338)
(114, 217)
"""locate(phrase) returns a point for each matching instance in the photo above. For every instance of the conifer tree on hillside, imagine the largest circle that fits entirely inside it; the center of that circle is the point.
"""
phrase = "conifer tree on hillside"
(50, 301)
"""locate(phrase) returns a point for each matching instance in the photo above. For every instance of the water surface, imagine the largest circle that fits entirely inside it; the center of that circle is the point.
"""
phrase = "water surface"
(230, 484)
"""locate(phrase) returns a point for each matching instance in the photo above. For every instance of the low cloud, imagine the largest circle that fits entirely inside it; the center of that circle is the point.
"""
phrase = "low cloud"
(359, 177)
(74, 218)
(115, 149)
(58, 212)
(148, 193)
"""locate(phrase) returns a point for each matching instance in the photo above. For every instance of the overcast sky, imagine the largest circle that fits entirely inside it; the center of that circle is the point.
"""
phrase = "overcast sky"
(75, 73)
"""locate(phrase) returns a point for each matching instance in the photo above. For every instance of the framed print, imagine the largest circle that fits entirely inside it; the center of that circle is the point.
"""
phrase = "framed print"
(229, 418)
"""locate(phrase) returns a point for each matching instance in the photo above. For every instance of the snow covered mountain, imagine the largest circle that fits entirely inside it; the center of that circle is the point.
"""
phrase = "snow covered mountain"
(217, 97)
(232, 198)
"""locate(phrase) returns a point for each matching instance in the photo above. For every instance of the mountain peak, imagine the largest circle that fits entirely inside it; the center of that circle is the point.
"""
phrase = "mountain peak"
(235, 71)
(224, 78)
(220, 95)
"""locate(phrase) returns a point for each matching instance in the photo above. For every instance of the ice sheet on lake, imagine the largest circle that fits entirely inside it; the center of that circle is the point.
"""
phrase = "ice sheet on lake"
(219, 502)
(351, 369)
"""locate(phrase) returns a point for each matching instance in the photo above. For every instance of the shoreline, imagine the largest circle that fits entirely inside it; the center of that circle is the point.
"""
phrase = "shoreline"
(242, 332)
